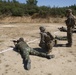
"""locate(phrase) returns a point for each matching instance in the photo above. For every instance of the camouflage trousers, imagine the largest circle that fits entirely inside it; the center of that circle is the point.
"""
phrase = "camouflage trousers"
(47, 46)
(31, 51)
(69, 35)
(61, 37)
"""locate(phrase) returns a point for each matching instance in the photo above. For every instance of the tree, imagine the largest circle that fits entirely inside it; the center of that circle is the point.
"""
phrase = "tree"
(0, 0)
(31, 2)
(14, 1)
(8, 1)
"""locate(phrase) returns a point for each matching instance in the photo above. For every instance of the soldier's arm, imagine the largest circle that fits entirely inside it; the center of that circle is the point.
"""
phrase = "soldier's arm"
(16, 46)
(52, 36)
(42, 37)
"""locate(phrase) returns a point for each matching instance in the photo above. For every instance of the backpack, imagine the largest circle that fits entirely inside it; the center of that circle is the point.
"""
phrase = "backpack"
(50, 36)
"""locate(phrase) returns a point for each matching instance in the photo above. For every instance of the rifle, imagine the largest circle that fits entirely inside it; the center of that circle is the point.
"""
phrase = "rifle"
(14, 41)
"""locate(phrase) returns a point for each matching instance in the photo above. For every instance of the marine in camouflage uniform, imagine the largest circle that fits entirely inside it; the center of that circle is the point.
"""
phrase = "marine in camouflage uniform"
(47, 40)
(22, 47)
(70, 22)
(63, 29)
(61, 37)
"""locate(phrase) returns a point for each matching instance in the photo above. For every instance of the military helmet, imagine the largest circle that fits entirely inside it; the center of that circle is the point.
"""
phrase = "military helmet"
(20, 39)
(42, 28)
(68, 10)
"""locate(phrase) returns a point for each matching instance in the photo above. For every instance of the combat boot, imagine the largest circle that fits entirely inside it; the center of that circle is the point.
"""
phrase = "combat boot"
(50, 56)
(68, 45)
(28, 64)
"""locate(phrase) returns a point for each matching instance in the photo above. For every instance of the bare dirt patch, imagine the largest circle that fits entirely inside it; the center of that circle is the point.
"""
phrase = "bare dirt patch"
(11, 62)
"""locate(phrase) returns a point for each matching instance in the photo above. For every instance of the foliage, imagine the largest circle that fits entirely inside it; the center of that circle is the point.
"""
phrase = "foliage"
(31, 2)
(14, 8)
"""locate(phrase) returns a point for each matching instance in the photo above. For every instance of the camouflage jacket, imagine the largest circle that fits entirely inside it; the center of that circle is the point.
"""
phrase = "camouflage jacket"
(70, 22)
(22, 46)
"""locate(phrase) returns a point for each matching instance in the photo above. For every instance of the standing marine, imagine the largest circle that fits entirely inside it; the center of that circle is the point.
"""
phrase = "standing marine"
(46, 40)
(70, 22)
(22, 47)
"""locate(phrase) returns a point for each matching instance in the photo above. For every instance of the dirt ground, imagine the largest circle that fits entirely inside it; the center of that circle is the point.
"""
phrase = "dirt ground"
(11, 62)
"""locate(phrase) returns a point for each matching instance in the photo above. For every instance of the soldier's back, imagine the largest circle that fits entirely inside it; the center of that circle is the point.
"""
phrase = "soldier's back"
(22, 45)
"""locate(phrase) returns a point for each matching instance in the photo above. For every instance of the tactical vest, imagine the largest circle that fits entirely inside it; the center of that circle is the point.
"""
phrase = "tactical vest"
(70, 22)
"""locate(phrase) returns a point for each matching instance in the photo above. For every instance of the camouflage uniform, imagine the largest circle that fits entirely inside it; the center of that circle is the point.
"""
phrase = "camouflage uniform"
(63, 29)
(70, 22)
(47, 40)
(25, 50)
(61, 37)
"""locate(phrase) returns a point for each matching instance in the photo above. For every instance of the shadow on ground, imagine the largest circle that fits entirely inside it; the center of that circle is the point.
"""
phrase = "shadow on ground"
(40, 50)
(24, 61)
(60, 45)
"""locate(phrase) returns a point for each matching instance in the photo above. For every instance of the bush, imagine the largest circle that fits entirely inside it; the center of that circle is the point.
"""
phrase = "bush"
(17, 12)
